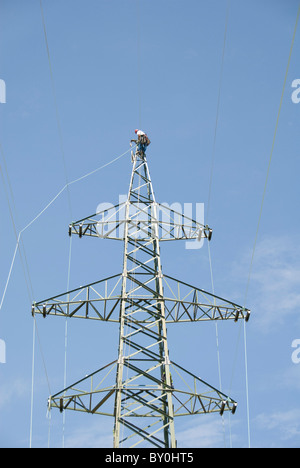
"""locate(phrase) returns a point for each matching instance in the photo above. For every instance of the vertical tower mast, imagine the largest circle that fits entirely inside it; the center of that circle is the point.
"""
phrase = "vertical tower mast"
(146, 400)
(143, 360)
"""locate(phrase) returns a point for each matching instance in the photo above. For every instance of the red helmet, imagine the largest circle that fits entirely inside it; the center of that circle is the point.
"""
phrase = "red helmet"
(136, 130)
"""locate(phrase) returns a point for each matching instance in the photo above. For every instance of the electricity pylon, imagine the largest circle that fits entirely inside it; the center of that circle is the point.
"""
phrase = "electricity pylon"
(142, 300)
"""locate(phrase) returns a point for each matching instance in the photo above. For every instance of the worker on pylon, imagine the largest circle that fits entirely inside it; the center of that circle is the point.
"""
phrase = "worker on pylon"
(142, 141)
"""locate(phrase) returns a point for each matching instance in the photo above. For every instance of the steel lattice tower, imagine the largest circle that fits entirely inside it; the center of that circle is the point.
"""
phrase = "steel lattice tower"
(148, 389)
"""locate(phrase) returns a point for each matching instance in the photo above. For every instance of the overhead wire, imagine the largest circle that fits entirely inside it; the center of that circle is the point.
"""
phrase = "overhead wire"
(139, 85)
(12, 211)
(61, 142)
(259, 222)
(43, 211)
(210, 190)
(218, 110)
(56, 105)
(210, 185)
(12, 208)
(262, 202)
(261, 208)
(13, 215)
(272, 151)
(20, 244)
(28, 277)
(20, 241)
(25, 266)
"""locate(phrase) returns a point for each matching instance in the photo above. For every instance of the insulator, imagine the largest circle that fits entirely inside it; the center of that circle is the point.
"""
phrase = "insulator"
(70, 230)
(247, 316)
(49, 404)
(222, 408)
(237, 315)
(234, 408)
(209, 234)
(32, 310)
(44, 310)
(61, 405)
(80, 230)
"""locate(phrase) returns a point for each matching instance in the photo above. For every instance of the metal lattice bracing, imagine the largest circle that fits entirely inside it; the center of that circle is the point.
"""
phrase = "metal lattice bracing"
(143, 390)
(143, 360)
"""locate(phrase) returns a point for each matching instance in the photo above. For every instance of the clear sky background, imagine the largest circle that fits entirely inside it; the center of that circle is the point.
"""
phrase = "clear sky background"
(118, 65)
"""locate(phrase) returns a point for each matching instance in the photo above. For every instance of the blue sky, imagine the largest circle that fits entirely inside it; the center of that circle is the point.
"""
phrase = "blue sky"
(118, 65)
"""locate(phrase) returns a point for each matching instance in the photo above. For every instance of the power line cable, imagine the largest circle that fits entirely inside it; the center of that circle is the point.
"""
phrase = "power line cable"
(56, 106)
(218, 111)
(139, 61)
(61, 141)
(28, 277)
(12, 210)
(28, 280)
(210, 189)
(44, 210)
(272, 150)
(259, 222)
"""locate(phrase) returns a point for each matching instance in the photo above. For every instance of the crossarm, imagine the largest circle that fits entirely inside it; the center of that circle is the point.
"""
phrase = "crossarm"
(98, 301)
(144, 221)
(186, 303)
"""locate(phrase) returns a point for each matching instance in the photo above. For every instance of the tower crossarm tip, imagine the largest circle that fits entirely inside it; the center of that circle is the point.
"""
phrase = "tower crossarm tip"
(174, 225)
(87, 394)
(186, 303)
(97, 301)
(196, 396)
(105, 223)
